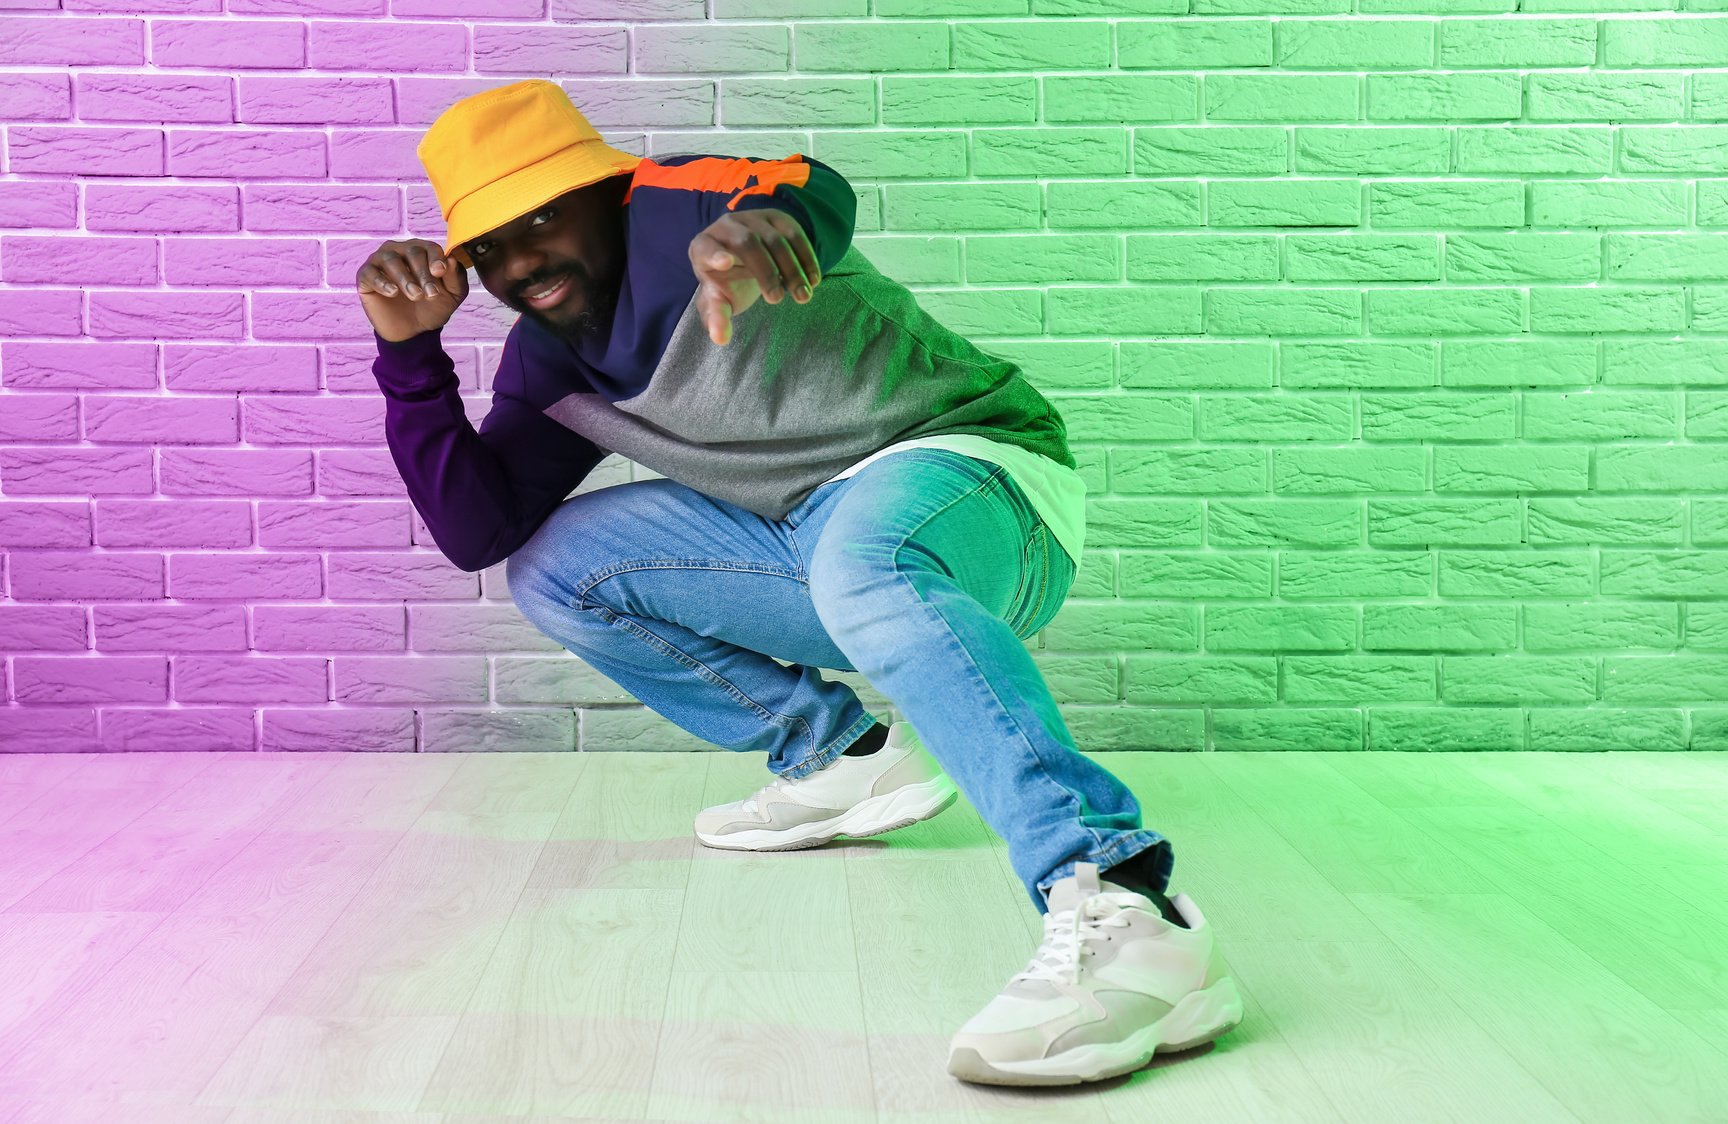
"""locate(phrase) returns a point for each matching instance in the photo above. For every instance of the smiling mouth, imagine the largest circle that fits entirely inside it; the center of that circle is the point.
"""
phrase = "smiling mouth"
(544, 297)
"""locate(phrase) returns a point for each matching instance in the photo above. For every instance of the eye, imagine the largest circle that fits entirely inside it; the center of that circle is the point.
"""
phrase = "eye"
(478, 249)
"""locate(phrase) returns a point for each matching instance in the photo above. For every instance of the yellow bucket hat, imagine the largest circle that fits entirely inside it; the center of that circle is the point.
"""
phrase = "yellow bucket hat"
(496, 155)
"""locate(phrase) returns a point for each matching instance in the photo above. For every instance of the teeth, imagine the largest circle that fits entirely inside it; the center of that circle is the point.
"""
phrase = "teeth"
(546, 292)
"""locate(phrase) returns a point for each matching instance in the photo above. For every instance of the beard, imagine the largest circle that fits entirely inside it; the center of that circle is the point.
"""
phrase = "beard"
(599, 303)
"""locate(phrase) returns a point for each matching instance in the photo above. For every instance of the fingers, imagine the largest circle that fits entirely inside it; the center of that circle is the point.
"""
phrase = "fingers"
(415, 269)
(768, 246)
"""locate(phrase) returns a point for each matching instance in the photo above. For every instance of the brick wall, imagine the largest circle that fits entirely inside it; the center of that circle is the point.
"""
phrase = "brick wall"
(1390, 342)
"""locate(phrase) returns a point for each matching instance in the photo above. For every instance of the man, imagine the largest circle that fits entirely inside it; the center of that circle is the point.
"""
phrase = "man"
(844, 483)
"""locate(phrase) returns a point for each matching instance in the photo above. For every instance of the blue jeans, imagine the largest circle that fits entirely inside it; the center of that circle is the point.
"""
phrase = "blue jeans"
(925, 571)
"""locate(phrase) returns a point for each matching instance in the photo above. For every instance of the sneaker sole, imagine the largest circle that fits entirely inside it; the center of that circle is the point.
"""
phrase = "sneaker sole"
(1199, 1018)
(878, 815)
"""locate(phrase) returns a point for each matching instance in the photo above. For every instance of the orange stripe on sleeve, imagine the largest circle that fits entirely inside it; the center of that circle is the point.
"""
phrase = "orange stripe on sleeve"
(723, 173)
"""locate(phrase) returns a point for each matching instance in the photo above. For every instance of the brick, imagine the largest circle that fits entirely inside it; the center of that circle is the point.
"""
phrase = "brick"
(179, 209)
(322, 207)
(1444, 97)
(43, 628)
(1665, 257)
(247, 153)
(1629, 308)
(59, 42)
(44, 523)
(1382, 151)
(475, 628)
(79, 260)
(1114, 205)
(1031, 45)
(75, 679)
(169, 628)
(245, 262)
(62, 576)
(26, 204)
(1035, 258)
(1537, 149)
(715, 48)
(1306, 202)
(502, 49)
(165, 523)
(187, 729)
(959, 100)
(1555, 203)
(104, 96)
(160, 420)
(60, 472)
(277, 679)
(1525, 256)
(236, 472)
(1210, 150)
(332, 524)
(1197, 44)
(1661, 40)
(39, 417)
(321, 421)
(315, 101)
(1451, 311)
(1601, 97)
(1202, 257)
(167, 315)
(40, 312)
(1120, 99)
(1282, 97)
(241, 576)
(59, 729)
(320, 628)
(365, 730)
(1504, 43)
(358, 472)
(1427, 205)
(212, 44)
(1680, 147)
(418, 48)
(240, 367)
(67, 151)
(371, 576)
(34, 96)
(801, 101)
(1359, 43)
(497, 731)
(1517, 362)
(410, 679)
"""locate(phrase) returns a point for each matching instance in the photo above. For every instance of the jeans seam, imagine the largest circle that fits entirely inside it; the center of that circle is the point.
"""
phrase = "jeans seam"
(995, 477)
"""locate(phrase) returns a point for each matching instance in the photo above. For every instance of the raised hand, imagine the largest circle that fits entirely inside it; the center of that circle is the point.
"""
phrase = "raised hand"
(408, 287)
(746, 254)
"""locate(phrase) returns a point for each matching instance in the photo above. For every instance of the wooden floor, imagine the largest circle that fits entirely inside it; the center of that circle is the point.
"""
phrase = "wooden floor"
(322, 938)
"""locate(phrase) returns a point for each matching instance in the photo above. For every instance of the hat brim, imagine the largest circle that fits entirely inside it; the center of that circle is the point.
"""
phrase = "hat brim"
(522, 191)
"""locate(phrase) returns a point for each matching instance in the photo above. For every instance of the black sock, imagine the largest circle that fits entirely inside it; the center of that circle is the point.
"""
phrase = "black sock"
(873, 740)
(1124, 876)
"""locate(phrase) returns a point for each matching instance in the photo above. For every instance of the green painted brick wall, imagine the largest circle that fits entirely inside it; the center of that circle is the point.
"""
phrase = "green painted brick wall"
(1390, 337)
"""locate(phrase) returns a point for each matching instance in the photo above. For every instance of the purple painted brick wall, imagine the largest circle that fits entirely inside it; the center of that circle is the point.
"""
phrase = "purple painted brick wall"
(206, 545)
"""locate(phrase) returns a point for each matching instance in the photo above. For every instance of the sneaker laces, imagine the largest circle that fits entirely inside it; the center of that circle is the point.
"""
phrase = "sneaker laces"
(1058, 958)
(779, 784)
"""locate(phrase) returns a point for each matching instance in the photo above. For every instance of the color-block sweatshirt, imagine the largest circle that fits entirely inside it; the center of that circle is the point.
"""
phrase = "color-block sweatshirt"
(800, 395)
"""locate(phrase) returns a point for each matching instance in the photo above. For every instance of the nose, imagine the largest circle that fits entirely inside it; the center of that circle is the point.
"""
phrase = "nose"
(522, 267)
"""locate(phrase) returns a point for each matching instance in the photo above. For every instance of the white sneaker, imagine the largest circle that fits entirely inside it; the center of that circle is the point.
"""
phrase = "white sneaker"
(897, 785)
(1112, 984)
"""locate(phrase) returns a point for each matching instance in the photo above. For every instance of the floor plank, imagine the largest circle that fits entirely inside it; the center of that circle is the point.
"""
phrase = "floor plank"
(471, 939)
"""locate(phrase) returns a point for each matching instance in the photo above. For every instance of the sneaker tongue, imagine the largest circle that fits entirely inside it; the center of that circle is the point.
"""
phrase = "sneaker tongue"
(1070, 892)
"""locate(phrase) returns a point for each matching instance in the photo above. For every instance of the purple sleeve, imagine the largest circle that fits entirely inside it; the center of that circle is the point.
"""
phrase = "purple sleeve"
(482, 494)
